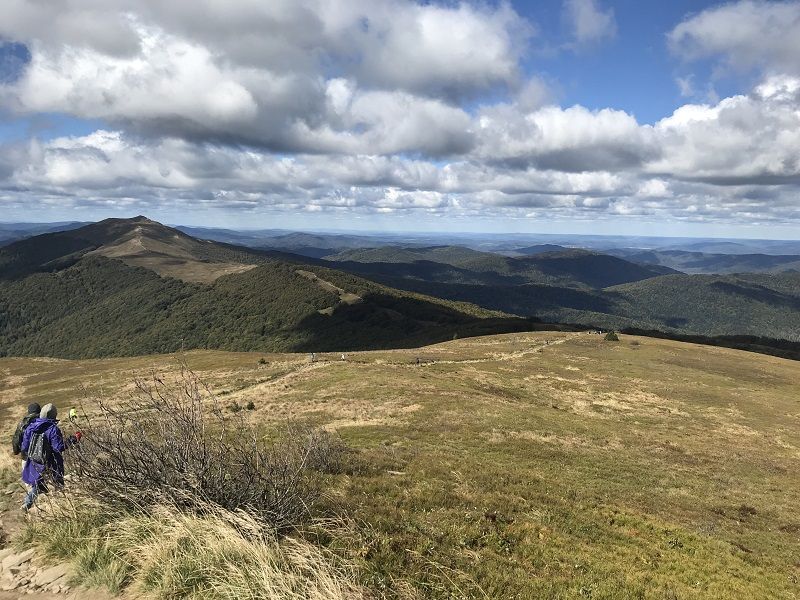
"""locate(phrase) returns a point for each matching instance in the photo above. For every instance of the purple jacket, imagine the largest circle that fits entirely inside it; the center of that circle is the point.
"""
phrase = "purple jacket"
(32, 473)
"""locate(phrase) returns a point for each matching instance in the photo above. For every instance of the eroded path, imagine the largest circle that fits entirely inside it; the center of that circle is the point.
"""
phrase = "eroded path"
(23, 574)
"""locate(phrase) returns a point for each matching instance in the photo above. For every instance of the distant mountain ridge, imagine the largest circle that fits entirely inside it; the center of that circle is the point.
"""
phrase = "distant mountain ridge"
(11, 232)
(137, 242)
(566, 267)
(579, 286)
(707, 263)
(134, 286)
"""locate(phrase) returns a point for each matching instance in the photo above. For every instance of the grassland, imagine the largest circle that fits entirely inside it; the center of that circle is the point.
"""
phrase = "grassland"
(535, 465)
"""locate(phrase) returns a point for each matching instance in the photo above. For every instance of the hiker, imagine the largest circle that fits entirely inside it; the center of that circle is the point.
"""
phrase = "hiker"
(44, 444)
(16, 442)
(344, 357)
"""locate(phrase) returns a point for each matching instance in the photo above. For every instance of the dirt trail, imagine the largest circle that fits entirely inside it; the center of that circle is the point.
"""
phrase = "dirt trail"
(344, 296)
(23, 574)
(284, 379)
(503, 356)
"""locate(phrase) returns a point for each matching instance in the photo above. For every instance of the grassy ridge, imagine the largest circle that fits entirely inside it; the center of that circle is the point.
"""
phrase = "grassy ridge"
(532, 465)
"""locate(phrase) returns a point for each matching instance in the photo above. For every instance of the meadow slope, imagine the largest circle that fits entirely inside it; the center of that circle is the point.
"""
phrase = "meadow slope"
(531, 465)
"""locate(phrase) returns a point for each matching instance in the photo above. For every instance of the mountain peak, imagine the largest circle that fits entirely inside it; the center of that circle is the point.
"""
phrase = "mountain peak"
(136, 241)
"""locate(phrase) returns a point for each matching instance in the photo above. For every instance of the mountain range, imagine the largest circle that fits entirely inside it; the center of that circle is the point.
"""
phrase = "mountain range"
(135, 286)
(710, 263)
(578, 286)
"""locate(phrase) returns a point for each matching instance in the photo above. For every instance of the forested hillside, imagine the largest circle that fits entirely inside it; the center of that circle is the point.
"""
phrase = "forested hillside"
(574, 289)
(565, 268)
(102, 307)
(134, 286)
(707, 263)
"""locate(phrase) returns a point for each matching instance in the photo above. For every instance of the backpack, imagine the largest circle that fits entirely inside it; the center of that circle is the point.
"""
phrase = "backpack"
(39, 449)
(16, 441)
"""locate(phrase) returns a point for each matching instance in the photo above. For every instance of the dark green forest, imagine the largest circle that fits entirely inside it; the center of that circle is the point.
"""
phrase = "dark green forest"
(102, 307)
(57, 298)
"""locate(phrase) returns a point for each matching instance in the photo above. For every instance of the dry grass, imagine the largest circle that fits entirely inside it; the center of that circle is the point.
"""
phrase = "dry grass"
(169, 554)
(571, 469)
(172, 441)
(138, 249)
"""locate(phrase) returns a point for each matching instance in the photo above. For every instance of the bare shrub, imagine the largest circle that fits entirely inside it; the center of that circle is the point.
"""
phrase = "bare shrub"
(171, 443)
(328, 454)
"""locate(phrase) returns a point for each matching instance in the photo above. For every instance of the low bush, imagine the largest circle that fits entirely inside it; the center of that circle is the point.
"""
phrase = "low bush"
(172, 444)
(611, 336)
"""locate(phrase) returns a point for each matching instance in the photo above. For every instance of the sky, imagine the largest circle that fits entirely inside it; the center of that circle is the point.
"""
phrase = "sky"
(565, 116)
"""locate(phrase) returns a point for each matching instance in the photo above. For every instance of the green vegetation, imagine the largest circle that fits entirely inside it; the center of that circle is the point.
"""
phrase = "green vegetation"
(102, 307)
(700, 262)
(765, 305)
(61, 295)
(456, 265)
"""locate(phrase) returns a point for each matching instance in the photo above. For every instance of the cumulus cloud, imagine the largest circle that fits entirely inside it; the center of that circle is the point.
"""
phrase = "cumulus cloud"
(265, 74)
(588, 22)
(747, 139)
(572, 139)
(387, 106)
(743, 35)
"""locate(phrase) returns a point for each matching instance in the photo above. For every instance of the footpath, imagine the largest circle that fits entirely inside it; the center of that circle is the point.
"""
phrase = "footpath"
(23, 574)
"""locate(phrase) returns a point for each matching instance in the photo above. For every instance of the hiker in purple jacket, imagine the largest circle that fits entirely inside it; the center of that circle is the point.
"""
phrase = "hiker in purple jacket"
(44, 444)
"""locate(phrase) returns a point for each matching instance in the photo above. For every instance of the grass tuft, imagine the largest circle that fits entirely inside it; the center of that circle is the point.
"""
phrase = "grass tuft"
(175, 555)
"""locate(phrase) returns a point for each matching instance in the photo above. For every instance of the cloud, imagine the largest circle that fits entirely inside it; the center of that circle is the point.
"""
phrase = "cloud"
(746, 139)
(685, 85)
(268, 74)
(733, 160)
(383, 106)
(743, 35)
(588, 22)
(698, 174)
(573, 139)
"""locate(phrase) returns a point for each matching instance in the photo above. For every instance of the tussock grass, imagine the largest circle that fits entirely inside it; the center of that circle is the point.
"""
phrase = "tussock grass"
(171, 554)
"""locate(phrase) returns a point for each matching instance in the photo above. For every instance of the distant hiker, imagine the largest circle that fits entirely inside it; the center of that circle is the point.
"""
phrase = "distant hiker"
(313, 356)
(343, 356)
(44, 444)
(418, 361)
(16, 442)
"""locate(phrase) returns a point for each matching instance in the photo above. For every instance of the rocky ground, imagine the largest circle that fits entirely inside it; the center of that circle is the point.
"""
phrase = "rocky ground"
(24, 574)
